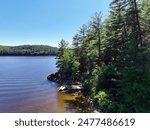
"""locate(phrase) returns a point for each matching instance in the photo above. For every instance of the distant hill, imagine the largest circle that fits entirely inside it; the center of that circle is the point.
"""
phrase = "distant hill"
(28, 50)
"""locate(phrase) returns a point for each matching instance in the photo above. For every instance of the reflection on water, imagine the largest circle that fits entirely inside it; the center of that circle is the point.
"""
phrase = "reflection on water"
(79, 103)
(63, 102)
(24, 88)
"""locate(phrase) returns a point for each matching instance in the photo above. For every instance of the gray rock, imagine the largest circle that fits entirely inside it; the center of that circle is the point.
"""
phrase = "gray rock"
(71, 87)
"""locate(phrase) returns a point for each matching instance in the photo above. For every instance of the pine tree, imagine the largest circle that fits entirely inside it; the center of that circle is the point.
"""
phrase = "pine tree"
(97, 30)
(145, 21)
(63, 47)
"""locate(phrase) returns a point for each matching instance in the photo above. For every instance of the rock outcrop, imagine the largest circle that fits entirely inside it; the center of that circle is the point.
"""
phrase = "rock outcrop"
(66, 86)
(54, 77)
(71, 87)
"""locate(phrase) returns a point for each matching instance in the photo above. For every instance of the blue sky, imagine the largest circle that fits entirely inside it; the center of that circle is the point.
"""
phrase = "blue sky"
(45, 21)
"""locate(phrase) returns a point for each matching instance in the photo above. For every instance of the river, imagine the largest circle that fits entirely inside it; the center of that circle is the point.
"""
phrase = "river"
(25, 88)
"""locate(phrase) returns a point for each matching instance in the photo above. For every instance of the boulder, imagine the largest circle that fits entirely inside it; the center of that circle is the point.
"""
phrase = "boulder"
(62, 88)
(54, 77)
(71, 87)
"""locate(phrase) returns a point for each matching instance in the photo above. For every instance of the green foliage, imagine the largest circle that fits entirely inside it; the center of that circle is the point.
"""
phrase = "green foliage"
(28, 50)
(89, 86)
(103, 100)
(70, 65)
(112, 58)
(134, 89)
(67, 62)
(145, 20)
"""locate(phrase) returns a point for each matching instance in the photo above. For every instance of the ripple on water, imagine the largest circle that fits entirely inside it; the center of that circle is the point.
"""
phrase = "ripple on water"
(24, 88)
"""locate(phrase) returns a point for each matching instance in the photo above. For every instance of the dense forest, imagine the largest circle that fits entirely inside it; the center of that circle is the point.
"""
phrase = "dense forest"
(28, 50)
(111, 57)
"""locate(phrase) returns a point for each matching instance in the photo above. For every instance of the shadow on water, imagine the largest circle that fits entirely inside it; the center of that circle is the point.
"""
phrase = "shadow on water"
(75, 103)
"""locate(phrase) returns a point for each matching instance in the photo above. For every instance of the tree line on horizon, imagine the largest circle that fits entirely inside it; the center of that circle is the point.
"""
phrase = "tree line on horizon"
(112, 58)
(28, 50)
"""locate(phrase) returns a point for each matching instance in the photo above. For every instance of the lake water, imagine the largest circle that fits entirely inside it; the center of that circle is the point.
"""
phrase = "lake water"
(24, 86)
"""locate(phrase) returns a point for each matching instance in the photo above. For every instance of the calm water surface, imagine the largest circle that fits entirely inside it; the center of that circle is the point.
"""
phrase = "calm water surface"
(24, 87)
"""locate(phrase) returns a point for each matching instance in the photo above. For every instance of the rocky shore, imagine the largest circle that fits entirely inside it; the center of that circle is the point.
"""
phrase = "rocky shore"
(66, 86)
(54, 77)
(75, 88)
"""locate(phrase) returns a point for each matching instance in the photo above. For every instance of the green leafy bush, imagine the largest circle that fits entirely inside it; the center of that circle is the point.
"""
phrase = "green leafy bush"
(103, 99)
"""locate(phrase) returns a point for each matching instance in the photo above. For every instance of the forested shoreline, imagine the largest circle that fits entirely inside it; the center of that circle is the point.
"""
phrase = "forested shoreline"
(111, 57)
(28, 50)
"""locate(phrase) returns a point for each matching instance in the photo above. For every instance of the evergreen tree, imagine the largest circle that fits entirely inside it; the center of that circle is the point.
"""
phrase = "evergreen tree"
(145, 21)
(63, 47)
(112, 59)
(97, 30)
